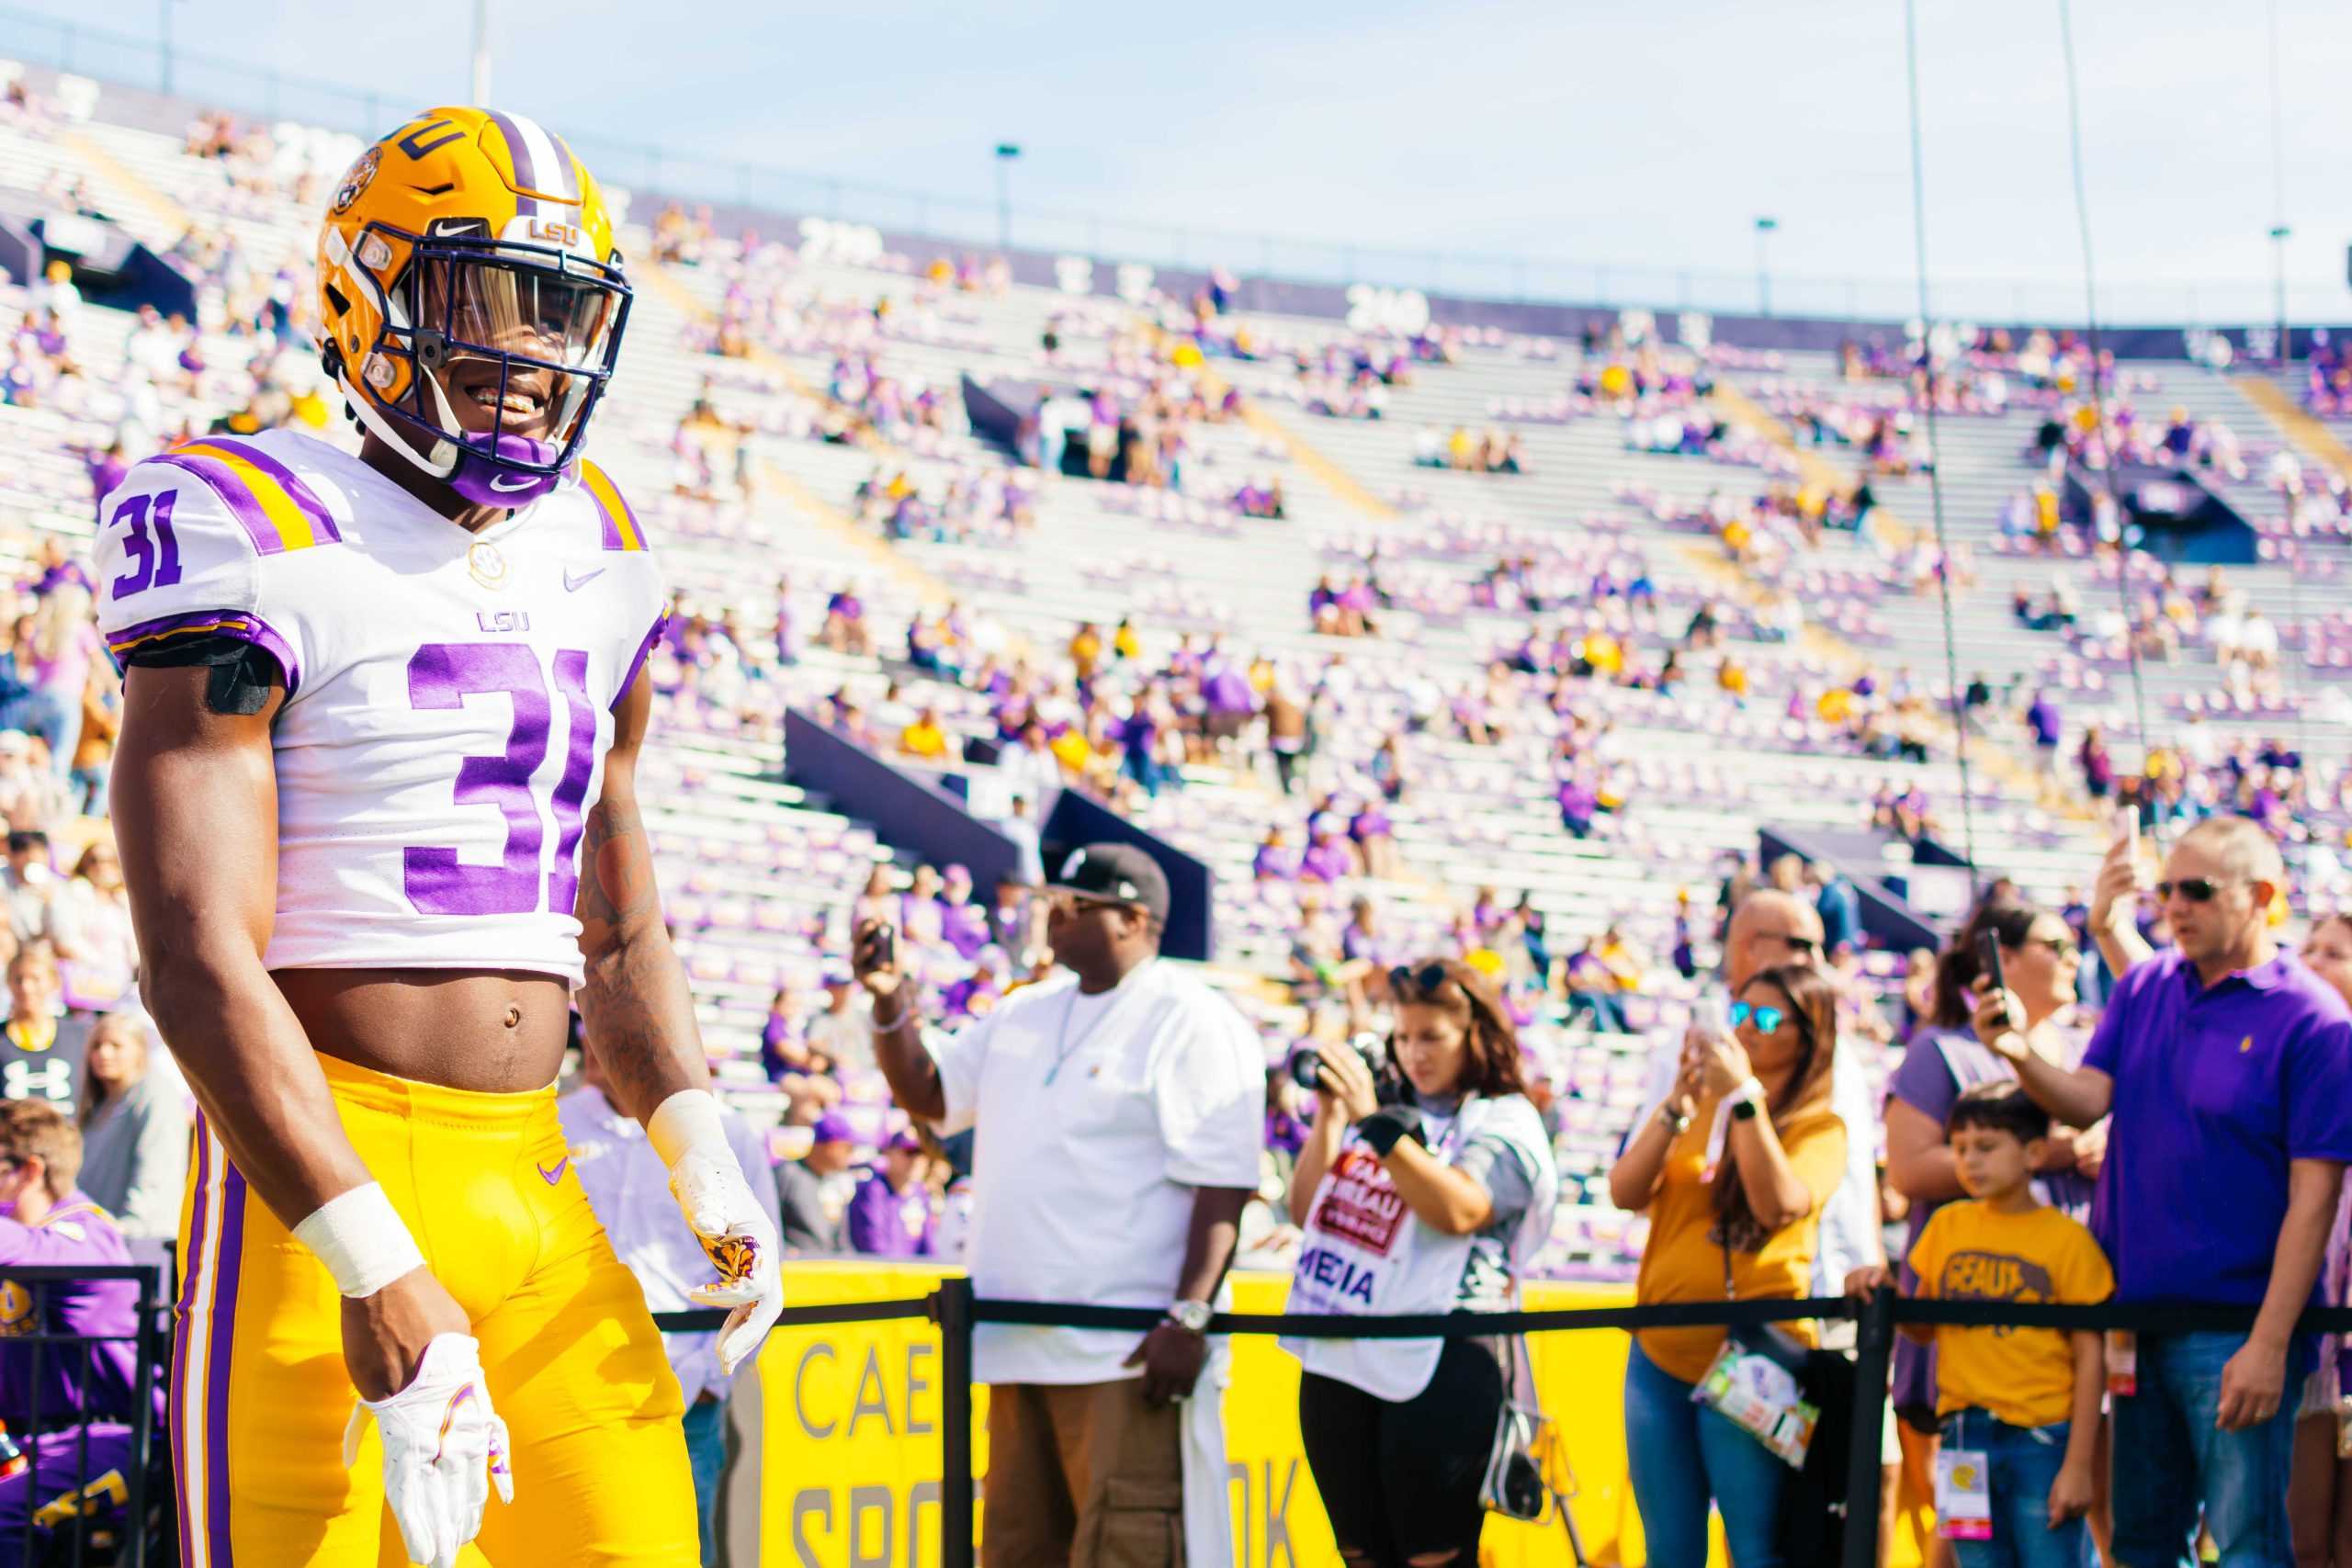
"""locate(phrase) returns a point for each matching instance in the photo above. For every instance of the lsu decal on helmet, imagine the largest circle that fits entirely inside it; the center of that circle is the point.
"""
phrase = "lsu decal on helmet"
(472, 299)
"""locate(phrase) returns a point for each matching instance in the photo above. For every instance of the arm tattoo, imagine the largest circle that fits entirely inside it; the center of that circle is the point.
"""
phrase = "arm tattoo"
(636, 1013)
(617, 863)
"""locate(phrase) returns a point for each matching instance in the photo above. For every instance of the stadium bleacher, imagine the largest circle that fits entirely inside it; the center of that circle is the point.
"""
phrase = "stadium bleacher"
(789, 423)
(759, 876)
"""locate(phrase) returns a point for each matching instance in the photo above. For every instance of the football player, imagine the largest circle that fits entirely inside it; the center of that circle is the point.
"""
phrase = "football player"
(377, 803)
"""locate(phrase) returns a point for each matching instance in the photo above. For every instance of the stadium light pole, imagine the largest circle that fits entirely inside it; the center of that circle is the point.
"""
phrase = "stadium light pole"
(481, 53)
(2278, 236)
(1006, 152)
(1764, 228)
(163, 74)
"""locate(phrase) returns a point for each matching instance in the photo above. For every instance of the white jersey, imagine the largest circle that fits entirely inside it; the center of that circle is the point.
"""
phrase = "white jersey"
(449, 693)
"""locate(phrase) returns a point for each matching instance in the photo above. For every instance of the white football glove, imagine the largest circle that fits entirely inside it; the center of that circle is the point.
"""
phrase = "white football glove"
(443, 1448)
(742, 1245)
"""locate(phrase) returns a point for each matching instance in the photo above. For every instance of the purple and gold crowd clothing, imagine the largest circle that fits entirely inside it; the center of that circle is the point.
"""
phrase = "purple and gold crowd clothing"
(76, 1233)
(483, 1182)
(67, 1407)
(887, 1223)
(449, 693)
(2217, 1088)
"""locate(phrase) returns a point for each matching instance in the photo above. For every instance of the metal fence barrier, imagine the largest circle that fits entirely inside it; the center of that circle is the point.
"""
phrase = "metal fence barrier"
(72, 1515)
(78, 1518)
(956, 1310)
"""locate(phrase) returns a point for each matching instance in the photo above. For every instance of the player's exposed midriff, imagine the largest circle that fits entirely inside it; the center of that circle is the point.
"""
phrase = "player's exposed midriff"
(491, 1031)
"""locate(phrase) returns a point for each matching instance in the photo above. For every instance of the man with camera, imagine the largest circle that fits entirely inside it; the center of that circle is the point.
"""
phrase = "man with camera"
(1119, 1119)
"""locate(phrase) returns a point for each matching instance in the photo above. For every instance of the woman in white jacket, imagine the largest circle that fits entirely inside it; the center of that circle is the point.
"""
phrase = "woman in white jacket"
(1424, 1192)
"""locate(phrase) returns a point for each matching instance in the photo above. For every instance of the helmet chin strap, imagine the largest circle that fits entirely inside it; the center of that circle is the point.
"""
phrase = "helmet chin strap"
(476, 465)
(437, 463)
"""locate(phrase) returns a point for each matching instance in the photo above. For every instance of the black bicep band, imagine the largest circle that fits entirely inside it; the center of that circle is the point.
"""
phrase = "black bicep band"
(241, 672)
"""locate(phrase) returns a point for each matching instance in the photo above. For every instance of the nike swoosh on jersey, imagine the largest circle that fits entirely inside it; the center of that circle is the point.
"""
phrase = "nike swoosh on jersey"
(574, 584)
(552, 1175)
(521, 481)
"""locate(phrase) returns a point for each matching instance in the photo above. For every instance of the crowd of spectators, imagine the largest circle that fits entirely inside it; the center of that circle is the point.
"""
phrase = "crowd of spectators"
(1129, 710)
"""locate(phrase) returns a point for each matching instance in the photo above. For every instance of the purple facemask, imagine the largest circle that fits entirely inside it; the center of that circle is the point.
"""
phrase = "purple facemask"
(483, 474)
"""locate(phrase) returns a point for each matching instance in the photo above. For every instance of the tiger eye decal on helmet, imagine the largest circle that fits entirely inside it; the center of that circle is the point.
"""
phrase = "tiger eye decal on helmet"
(355, 182)
(472, 300)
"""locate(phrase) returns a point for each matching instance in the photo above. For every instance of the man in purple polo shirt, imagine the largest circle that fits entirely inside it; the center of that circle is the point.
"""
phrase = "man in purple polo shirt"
(2228, 1067)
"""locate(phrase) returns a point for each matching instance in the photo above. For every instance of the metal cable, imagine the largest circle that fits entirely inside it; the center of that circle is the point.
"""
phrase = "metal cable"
(2098, 390)
(1960, 718)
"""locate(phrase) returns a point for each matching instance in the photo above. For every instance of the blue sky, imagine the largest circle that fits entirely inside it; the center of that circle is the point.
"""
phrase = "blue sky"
(1646, 138)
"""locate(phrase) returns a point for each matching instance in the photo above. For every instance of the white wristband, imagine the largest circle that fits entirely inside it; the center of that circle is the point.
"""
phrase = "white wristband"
(686, 1121)
(1751, 1093)
(361, 1239)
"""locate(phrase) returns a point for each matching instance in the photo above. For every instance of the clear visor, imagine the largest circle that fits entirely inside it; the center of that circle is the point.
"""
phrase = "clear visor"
(518, 310)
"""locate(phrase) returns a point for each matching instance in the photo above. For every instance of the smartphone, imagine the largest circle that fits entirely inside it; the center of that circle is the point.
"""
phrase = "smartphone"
(886, 947)
(1988, 958)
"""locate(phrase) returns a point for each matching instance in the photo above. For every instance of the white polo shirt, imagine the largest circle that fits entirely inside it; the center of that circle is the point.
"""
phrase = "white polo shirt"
(1096, 1118)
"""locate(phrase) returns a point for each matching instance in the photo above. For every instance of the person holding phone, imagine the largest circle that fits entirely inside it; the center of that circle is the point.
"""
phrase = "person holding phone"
(2227, 1064)
(1733, 1170)
(1425, 1188)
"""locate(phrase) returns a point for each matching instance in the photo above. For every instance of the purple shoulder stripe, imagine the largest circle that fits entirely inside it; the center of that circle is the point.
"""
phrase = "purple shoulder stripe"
(304, 498)
(222, 482)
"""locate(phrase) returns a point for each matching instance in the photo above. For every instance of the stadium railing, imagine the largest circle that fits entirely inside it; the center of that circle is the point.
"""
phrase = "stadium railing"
(89, 1520)
(957, 1309)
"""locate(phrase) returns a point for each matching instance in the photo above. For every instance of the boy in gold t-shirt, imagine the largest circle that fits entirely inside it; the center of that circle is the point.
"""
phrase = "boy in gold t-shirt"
(2019, 1406)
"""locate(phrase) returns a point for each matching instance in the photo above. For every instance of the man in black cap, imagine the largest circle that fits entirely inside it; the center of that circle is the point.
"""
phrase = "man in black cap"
(1120, 1119)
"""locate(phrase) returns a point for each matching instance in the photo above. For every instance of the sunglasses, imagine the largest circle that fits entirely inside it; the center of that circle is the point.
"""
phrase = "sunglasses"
(2060, 947)
(2196, 889)
(1768, 1017)
(1426, 979)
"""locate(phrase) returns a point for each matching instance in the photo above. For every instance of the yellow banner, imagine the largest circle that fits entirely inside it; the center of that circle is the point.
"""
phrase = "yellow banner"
(851, 1441)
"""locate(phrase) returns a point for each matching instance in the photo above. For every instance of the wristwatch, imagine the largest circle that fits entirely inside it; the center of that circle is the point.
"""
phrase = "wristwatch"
(1192, 1317)
(1742, 1109)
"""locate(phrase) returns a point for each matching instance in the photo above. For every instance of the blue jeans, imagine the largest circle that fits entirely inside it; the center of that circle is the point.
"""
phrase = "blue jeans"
(1684, 1455)
(2169, 1458)
(2023, 1462)
(706, 1424)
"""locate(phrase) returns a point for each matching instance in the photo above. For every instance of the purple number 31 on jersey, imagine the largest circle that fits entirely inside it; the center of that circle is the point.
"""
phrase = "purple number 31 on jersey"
(154, 562)
(441, 675)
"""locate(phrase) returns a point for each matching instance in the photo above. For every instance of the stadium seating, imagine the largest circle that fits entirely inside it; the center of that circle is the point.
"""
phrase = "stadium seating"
(765, 491)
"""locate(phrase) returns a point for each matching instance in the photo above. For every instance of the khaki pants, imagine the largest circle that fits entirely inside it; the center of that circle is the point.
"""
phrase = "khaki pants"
(1082, 1473)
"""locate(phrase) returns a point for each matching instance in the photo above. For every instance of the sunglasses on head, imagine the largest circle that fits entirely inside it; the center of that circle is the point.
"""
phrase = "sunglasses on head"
(2196, 889)
(1768, 1017)
(1426, 979)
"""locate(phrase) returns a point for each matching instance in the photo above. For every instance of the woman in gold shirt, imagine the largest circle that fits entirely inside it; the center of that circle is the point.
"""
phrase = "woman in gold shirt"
(1737, 1218)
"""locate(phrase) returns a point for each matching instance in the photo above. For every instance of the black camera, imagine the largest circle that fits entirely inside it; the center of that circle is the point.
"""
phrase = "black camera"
(1307, 1067)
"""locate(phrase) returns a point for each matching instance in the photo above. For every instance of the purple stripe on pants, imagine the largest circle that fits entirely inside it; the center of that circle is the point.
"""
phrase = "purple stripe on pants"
(224, 1327)
(187, 1412)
